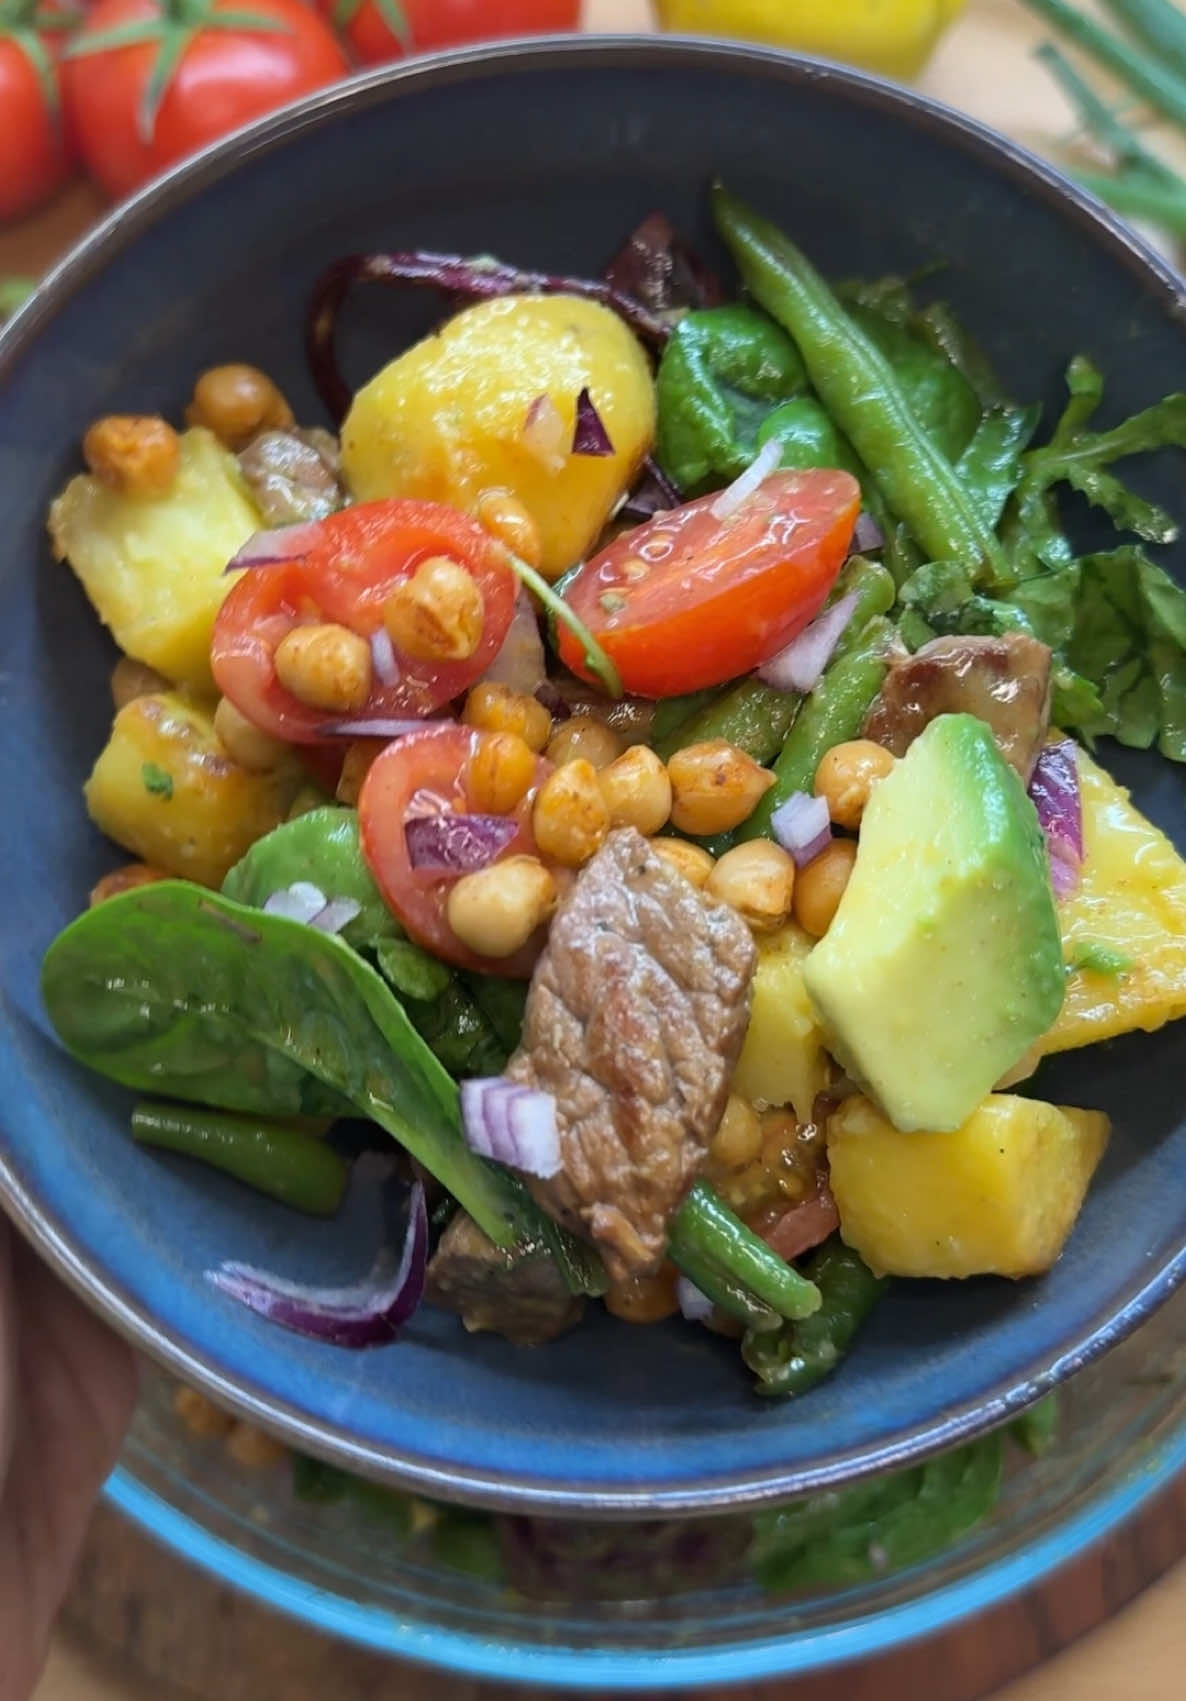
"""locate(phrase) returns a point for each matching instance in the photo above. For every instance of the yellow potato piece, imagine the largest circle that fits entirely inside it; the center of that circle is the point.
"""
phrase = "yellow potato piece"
(783, 1060)
(445, 421)
(1132, 898)
(166, 790)
(998, 1196)
(153, 565)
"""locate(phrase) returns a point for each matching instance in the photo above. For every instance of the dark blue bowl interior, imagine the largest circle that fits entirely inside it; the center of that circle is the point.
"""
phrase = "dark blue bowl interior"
(546, 157)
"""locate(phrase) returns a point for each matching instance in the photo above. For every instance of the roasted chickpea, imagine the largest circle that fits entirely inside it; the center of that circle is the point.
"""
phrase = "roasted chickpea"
(496, 708)
(499, 773)
(201, 1416)
(325, 666)
(356, 765)
(243, 741)
(637, 790)
(757, 880)
(820, 886)
(569, 817)
(135, 454)
(644, 1299)
(131, 679)
(738, 1139)
(437, 614)
(846, 777)
(715, 786)
(692, 861)
(123, 879)
(495, 911)
(237, 402)
(505, 518)
(253, 1449)
(582, 736)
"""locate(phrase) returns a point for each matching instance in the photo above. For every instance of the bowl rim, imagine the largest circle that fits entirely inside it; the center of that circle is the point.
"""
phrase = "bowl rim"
(52, 1238)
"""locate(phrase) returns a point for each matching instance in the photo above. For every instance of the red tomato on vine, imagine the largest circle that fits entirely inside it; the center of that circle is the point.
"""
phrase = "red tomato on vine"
(378, 30)
(147, 82)
(36, 151)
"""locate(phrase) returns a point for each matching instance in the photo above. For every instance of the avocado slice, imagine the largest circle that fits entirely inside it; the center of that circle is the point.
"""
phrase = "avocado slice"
(944, 960)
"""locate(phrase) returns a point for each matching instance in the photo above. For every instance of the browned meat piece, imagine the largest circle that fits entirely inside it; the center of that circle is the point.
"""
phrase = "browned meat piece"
(293, 475)
(1005, 681)
(523, 1298)
(634, 1020)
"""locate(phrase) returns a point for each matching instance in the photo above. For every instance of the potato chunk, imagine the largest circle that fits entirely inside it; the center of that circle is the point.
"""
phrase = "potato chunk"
(783, 1059)
(449, 418)
(153, 565)
(999, 1196)
(166, 790)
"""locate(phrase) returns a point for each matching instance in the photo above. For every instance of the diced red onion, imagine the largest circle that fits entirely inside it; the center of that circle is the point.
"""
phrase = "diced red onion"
(735, 495)
(801, 826)
(381, 727)
(282, 543)
(1054, 789)
(589, 436)
(553, 699)
(543, 433)
(383, 660)
(336, 915)
(520, 663)
(457, 844)
(299, 902)
(867, 534)
(653, 493)
(695, 1306)
(365, 1314)
(799, 666)
(511, 1125)
(657, 267)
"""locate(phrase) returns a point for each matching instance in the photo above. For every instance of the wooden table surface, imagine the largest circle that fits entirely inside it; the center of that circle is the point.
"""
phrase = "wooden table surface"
(105, 1652)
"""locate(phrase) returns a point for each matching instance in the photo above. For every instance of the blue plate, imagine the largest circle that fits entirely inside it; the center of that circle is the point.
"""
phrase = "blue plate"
(546, 155)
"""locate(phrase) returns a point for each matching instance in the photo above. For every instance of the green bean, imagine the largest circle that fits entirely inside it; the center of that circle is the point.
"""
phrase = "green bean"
(707, 1231)
(726, 1294)
(1036, 1429)
(858, 387)
(833, 713)
(279, 1160)
(674, 712)
(806, 1351)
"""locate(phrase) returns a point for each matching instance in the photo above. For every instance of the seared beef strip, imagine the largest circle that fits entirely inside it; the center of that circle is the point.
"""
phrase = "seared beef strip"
(293, 475)
(635, 1018)
(523, 1297)
(1005, 681)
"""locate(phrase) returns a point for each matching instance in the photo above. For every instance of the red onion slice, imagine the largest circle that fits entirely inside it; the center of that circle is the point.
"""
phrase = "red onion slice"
(1054, 790)
(867, 534)
(695, 1306)
(801, 826)
(511, 1125)
(301, 901)
(282, 543)
(457, 844)
(543, 433)
(735, 495)
(589, 436)
(799, 666)
(336, 915)
(520, 663)
(387, 670)
(381, 727)
(653, 494)
(365, 1314)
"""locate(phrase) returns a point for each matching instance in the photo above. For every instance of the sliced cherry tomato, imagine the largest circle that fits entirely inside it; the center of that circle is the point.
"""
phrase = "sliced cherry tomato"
(349, 564)
(425, 774)
(687, 600)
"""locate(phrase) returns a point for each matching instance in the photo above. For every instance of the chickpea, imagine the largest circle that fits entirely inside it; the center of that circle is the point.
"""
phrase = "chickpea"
(325, 666)
(789, 1160)
(201, 1416)
(135, 454)
(583, 736)
(437, 614)
(124, 879)
(356, 765)
(637, 790)
(495, 911)
(253, 1449)
(692, 861)
(499, 773)
(820, 886)
(131, 679)
(738, 1139)
(237, 402)
(644, 1299)
(846, 777)
(496, 708)
(757, 880)
(243, 741)
(570, 818)
(715, 786)
(507, 520)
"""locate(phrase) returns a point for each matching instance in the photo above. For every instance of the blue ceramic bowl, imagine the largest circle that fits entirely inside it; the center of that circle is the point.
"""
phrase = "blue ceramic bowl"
(546, 155)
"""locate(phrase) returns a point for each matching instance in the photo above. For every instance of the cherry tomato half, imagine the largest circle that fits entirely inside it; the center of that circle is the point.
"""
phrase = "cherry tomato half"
(688, 600)
(349, 564)
(425, 774)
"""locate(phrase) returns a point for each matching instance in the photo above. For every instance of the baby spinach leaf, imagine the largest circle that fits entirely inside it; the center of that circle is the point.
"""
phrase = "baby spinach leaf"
(321, 847)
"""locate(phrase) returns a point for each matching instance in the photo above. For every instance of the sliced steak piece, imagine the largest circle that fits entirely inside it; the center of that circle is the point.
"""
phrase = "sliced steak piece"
(522, 1297)
(293, 475)
(1005, 681)
(634, 1021)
